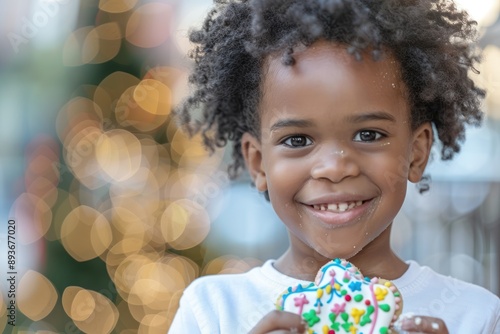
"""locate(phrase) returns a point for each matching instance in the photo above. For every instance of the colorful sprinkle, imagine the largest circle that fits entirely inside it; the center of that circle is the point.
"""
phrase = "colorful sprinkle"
(335, 326)
(365, 320)
(380, 293)
(311, 318)
(385, 307)
(356, 314)
(338, 308)
(347, 326)
(355, 286)
(300, 301)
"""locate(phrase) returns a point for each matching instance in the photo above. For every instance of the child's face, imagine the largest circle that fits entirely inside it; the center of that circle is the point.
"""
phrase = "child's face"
(336, 147)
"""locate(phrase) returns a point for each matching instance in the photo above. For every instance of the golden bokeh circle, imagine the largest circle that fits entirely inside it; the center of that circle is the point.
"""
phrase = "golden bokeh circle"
(81, 225)
(33, 217)
(149, 25)
(117, 6)
(36, 296)
(119, 154)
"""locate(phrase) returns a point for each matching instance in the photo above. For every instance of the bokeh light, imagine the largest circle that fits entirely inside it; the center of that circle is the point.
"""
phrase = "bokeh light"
(117, 6)
(37, 296)
(490, 80)
(90, 311)
(185, 224)
(35, 216)
(85, 233)
(118, 153)
(149, 26)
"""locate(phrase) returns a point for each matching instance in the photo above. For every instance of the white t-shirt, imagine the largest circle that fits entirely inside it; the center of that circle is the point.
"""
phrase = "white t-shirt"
(235, 303)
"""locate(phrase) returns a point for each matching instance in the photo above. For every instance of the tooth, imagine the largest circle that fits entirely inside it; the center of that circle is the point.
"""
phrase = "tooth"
(343, 207)
(352, 205)
(332, 207)
(358, 203)
(325, 207)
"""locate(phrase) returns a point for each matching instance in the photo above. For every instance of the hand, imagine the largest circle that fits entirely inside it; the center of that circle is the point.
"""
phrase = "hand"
(280, 322)
(413, 324)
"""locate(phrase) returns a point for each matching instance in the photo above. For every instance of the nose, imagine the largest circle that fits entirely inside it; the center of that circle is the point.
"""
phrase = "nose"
(334, 165)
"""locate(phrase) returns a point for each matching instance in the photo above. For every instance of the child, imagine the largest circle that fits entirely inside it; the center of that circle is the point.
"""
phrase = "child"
(330, 104)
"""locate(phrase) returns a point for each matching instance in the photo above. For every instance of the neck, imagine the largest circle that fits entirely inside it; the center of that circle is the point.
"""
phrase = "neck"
(376, 259)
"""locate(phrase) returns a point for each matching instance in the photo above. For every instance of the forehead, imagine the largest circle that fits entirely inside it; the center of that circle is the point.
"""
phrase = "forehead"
(327, 69)
(329, 54)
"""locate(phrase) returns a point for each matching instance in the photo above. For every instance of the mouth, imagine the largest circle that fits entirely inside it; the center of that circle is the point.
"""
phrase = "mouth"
(337, 207)
(339, 214)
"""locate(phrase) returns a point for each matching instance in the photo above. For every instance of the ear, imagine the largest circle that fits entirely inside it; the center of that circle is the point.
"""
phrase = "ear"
(252, 153)
(420, 151)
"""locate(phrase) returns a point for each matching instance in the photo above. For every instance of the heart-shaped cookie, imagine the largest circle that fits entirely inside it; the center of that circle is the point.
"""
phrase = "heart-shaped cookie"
(343, 301)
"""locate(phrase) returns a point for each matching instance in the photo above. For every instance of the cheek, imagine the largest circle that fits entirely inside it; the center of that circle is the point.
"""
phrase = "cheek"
(285, 174)
(285, 178)
(391, 167)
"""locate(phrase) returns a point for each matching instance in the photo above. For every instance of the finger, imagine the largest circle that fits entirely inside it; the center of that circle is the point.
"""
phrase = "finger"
(421, 324)
(280, 322)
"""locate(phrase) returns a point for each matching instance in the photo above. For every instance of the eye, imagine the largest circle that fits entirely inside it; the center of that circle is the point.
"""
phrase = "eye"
(367, 136)
(297, 141)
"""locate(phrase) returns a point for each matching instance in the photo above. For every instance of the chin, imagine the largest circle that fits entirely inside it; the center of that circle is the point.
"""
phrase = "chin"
(341, 254)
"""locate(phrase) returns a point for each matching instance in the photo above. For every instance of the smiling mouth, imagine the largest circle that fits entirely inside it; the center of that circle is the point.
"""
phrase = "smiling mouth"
(337, 207)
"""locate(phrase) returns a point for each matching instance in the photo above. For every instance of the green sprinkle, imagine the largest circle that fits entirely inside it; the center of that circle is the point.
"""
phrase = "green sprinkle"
(311, 318)
(385, 307)
(384, 330)
(343, 292)
(365, 320)
(347, 326)
(370, 309)
(335, 326)
(358, 298)
(344, 316)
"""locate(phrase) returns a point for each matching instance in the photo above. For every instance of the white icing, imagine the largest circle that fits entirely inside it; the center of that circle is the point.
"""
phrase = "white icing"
(335, 300)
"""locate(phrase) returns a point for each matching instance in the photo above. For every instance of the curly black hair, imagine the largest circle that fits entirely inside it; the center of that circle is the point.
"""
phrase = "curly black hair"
(432, 40)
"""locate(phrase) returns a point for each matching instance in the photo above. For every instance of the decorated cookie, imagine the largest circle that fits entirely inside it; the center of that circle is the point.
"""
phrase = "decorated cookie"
(343, 301)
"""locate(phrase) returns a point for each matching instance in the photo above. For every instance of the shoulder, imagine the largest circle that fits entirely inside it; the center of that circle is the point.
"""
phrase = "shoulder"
(221, 303)
(422, 280)
(459, 288)
(458, 302)
(211, 284)
(225, 289)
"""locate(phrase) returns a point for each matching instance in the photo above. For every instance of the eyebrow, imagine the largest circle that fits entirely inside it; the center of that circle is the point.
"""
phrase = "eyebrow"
(371, 116)
(290, 122)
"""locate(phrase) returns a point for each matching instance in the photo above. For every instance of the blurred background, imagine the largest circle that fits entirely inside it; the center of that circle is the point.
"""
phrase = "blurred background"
(116, 211)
